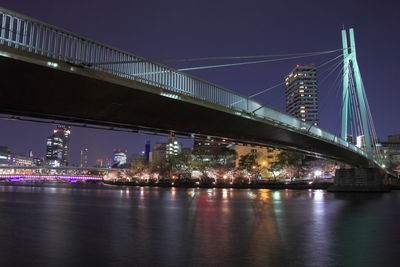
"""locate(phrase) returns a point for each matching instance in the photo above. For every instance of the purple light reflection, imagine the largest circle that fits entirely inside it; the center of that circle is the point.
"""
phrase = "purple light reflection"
(15, 177)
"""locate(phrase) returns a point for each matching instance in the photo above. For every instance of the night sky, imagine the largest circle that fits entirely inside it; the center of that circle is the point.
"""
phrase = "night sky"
(187, 28)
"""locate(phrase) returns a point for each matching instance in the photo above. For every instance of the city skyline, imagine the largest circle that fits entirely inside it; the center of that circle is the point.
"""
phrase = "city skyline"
(307, 36)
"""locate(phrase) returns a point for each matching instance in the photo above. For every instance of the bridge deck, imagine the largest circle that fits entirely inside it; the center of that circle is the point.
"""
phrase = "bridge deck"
(42, 87)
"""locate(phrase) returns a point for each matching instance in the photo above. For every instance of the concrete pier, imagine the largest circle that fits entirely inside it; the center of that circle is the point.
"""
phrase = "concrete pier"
(360, 180)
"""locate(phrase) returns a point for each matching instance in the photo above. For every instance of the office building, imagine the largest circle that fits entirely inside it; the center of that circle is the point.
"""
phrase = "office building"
(84, 157)
(99, 163)
(214, 152)
(147, 152)
(390, 152)
(301, 93)
(266, 156)
(119, 157)
(57, 149)
(7, 158)
(172, 146)
(158, 153)
(161, 152)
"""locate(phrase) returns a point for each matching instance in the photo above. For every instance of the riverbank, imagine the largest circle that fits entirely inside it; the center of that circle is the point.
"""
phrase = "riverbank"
(259, 185)
(262, 185)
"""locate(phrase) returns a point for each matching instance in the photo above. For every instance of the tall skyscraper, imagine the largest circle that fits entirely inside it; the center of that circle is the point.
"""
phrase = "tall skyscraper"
(147, 152)
(301, 93)
(57, 151)
(84, 157)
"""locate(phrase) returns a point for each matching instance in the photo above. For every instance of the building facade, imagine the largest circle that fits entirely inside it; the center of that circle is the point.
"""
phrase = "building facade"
(390, 152)
(147, 152)
(213, 152)
(301, 94)
(173, 147)
(120, 157)
(99, 163)
(158, 153)
(265, 155)
(84, 157)
(163, 151)
(57, 147)
(7, 158)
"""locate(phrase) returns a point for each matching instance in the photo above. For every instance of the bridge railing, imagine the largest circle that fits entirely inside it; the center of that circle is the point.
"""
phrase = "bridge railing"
(25, 33)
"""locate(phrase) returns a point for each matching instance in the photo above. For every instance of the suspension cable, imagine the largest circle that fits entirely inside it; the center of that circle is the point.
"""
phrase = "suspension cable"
(207, 58)
(253, 62)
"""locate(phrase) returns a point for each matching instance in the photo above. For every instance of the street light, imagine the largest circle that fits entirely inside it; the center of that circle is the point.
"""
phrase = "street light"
(317, 173)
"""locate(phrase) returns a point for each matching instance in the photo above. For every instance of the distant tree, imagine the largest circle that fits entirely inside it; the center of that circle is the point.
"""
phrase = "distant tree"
(181, 162)
(249, 166)
(248, 162)
(137, 165)
(289, 163)
(162, 167)
(206, 158)
(324, 165)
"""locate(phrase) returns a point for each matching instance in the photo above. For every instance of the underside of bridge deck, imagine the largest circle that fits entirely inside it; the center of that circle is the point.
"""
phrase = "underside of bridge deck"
(29, 87)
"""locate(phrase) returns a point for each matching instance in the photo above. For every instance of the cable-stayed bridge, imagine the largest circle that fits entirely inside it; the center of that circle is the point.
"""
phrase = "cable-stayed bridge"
(51, 73)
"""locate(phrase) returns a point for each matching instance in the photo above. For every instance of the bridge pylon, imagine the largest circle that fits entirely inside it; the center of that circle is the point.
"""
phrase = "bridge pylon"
(353, 94)
(356, 118)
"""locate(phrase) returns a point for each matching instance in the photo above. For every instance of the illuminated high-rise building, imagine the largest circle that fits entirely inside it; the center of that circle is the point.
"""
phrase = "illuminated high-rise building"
(172, 147)
(301, 94)
(164, 151)
(147, 152)
(57, 148)
(119, 157)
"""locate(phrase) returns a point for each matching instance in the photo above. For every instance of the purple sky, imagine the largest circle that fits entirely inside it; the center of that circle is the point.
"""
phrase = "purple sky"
(185, 28)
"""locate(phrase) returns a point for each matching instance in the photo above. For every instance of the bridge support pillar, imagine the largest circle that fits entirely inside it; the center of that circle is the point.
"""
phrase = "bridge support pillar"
(360, 180)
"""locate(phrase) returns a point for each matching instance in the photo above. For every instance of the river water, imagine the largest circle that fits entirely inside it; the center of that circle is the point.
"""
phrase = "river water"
(99, 225)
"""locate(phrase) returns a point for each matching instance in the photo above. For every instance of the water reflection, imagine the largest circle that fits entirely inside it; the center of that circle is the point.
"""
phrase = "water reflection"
(148, 226)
